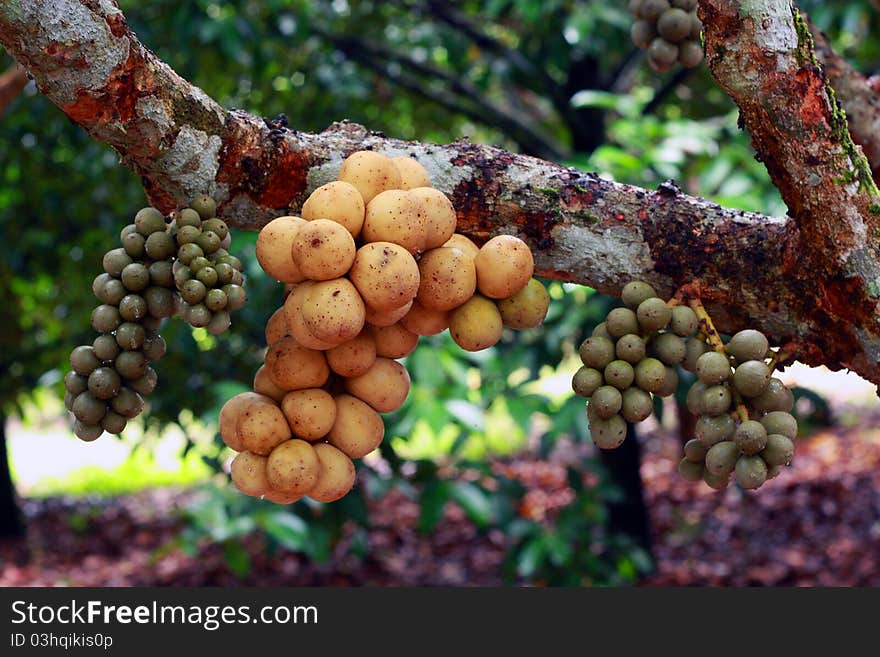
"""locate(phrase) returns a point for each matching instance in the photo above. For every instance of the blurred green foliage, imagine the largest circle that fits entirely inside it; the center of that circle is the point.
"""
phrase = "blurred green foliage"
(538, 76)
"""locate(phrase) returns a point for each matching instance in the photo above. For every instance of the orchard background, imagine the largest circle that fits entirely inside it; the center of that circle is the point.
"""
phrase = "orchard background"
(487, 474)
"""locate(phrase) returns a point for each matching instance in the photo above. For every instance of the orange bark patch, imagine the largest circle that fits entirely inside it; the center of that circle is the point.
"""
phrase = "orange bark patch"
(814, 106)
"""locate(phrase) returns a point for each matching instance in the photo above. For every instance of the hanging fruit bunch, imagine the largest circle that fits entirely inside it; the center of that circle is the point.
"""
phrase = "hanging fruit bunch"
(744, 426)
(371, 264)
(669, 31)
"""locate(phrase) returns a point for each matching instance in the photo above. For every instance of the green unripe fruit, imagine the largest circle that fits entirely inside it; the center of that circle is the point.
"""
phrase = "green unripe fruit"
(662, 55)
(642, 33)
(751, 378)
(205, 206)
(146, 384)
(188, 235)
(105, 318)
(127, 403)
(154, 347)
(651, 9)
(160, 246)
(209, 241)
(750, 437)
(693, 349)
(630, 348)
(586, 380)
(751, 472)
(674, 25)
(606, 401)
(133, 243)
(198, 263)
(182, 274)
(127, 230)
(684, 321)
(225, 273)
(215, 299)
(653, 314)
(104, 383)
(650, 375)
(132, 308)
(781, 423)
(88, 409)
(619, 374)
(219, 323)
(98, 285)
(160, 302)
(189, 252)
(115, 261)
(232, 261)
(779, 450)
(199, 316)
(716, 400)
(594, 352)
(135, 277)
(637, 405)
(130, 364)
(635, 292)
(690, 52)
(608, 434)
(130, 336)
(235, 296)
(747, 345)
(216, 226)
(75, 384)
(114, 292)
(713, 368)
(83, 360)
(670, 383)
(208, 276)
(713, 430)
(722, 457)
(695, 451)
(187, 217)
(113, 423)
(149, 221)
(690, 471)
(777, 397)
(669, 348)
(161, 274)
(716, 482)
(87, 432)
(695, 398)
(105, 347)
(620, 322)
(193, 291)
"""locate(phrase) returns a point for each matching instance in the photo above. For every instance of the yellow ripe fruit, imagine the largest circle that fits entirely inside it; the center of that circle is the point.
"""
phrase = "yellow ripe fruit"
(333, 311)
(293, 467)
(294, 367)
(412, 174)
(276, 327)
(248, 473)
(440, 219)
(263, 385)
(384, 386)
(476, 324)
(229, 416)
(295, 322)
(447, 278)
(371, 173)
(279, 497)
(337, 201)
(323, 250)
(425, 321)
(336, 474)
(309, 412)
(273, 249)
(395, 216)
(504, 266)
(387, 317)
(527, 308)
(385, 274)
(394, 341)
(459, 241)
(354, 357)
(261, 426)
(358, 429)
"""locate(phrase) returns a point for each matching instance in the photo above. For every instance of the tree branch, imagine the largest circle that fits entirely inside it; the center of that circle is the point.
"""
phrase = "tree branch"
(775, 274)
(11, 83)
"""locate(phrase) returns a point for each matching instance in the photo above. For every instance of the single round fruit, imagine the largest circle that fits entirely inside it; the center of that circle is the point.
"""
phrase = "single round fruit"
(248, 472)
(608, 434)
(669, 348)
(154, 347)
(75, 384)
(690, 52)
(412, 173)
(133, 308)
(105, 318)
(310, 412)
(146, 384)
(337, 201)
(385, 274)
(83, 360)
(88, 409)
(695, 398)
(273, 249)
(713, 368)
(693, 349)
(716, 400)
(87, 432)
(476, 324)
(131, 364)
(653, 314)
(779, 450)
(354, 357)
(747, 345)
(777, 397)
(160, 302)
(711, 430)
(336, 475)
(650, 375)
(750, 437)
(370, 173)
(586, 380)
(133, 243)
(674, 25)
(527, 308)
(695, 451)
(751, 378)
(104, 383)
(113, 423)
(635, 292)
(504, 266)
(781, 423)
(228, 417)
(716, 482)
(751, 472)
(690, 471)
(637, 405)
(606, 402)
(619, 373)
(662, 54)
(684, 322)
(130, 336)
(596, 352)
(160, 246)
(622, 321)
(293, 467)
(148, 221)
(630, 348)
(642, 33)
(358, 429)
(323, 250)
(384, 386)
(721, 458)
(205, 206)
(447, 278)
(127, 403)
(115, 261)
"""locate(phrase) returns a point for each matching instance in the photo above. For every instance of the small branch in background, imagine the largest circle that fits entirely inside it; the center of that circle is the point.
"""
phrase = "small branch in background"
(12, 81)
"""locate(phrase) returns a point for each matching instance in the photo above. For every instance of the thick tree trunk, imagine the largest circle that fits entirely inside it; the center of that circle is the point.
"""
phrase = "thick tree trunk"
(11, 524)
(629, 515)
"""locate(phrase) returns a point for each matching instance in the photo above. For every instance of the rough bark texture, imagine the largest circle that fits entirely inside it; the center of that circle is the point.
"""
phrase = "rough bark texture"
(812, 280)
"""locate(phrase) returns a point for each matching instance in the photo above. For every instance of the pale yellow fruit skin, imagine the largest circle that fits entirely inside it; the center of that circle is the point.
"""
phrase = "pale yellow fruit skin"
(396, 216)
(248, 473)
(440, 219)
(338, 201)
(309, 412)
(504, 266)
(264, 385)
(370, 173)
(276, 327)
(385, 274)
(527, 308)
(261, 426)
(425, 321)
(358, 429)
(476, 324)
(273, 249)
(295, 322)
(334, 311)
(387, 317)
(447, 278)
(293, 467)
(412, 174)
(384, 386)
(336, 476)
(459, 241)
(395, 341)
(354, 357)
(293, 367)
(228, 417)
(323, 249)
